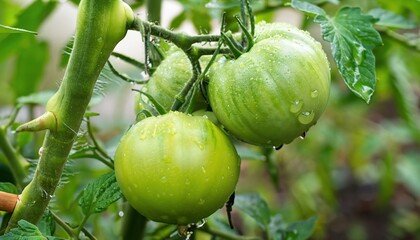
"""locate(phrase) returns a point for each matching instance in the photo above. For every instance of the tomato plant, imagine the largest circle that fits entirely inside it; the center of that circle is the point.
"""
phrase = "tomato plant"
(276, 91)
(176, 168)
(157, 172)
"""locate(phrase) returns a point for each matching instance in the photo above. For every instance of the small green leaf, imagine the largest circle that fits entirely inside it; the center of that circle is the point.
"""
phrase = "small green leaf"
(390, 19)
(254, 206)
(8, 187)
(352, 39)
(101, 193)
(24, 231)
(308, 8)
(304, 228)
(6, 29)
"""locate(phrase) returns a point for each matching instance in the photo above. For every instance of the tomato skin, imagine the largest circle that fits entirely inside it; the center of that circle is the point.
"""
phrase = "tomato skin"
(276, 91)
(176, 168)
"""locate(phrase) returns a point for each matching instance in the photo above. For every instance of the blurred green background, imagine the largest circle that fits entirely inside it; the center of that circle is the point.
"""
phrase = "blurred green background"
(358, 169)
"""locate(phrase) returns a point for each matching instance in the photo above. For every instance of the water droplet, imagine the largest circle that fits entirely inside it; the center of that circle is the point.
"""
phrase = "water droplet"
(296, 106)
(203, 170)
(121, 213)
(187, 181)
(201, 201)
(314, 93)
(306, 117)
(164, 179)
(41, 151)
(145, 75)
(303, 135)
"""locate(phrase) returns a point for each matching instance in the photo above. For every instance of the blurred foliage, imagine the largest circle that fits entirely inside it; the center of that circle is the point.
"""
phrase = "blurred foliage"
(358, 169)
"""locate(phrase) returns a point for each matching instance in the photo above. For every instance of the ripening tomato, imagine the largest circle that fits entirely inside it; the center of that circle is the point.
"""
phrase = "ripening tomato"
(176, 168)
(276, 91)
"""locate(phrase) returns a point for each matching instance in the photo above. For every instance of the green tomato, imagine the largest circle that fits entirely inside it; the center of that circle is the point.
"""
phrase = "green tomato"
(169, 79)
(176, 168)
(276, 91)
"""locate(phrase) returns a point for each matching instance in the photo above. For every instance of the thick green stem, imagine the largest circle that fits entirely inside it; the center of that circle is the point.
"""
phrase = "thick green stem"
(101, 24)
(181, 40)
(14, 159)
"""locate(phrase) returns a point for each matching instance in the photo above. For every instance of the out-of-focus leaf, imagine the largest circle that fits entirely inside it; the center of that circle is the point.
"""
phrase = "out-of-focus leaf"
(408, 172)
(31, 19)
(254, 206)
(37, 98)
(178, 20)
(23, 138)
(352, 39)
(29, 68)
(403, 68)
(6, 29)
(390, 19)
(387, 178)
(8, 187)
(304, 228)
(277, 229)
(101, 193)
(201, 21)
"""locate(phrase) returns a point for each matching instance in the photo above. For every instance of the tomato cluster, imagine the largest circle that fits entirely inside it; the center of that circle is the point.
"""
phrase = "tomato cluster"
(178, 168)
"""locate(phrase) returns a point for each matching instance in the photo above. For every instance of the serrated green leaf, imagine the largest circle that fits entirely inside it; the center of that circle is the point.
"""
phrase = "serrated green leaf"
(352, 39)
(8, 187)
(390, 19)
(254, 206)
(101, 193)
(304, 228)
(24, 231)
(6, 29)
(308, 8)
(38, 98)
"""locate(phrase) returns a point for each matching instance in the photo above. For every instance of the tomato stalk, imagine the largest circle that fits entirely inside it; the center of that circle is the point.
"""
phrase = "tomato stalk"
(101, 24)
